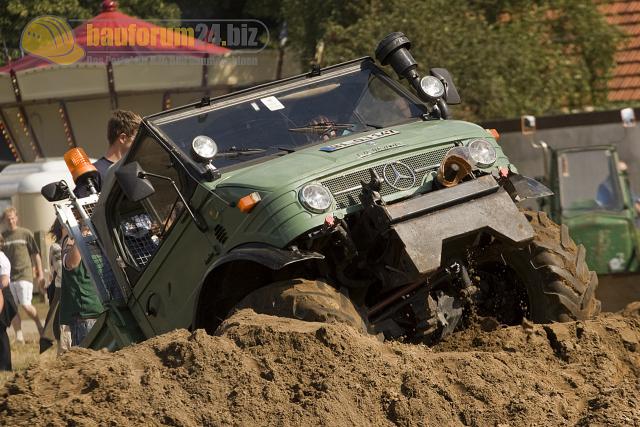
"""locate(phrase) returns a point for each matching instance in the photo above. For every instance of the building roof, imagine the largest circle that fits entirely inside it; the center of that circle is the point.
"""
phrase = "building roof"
(625, 84)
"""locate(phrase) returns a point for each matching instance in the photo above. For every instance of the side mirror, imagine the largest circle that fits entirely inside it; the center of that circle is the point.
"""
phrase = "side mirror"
(528, 125)
(130, 178)
(451, 94)
(56, 191)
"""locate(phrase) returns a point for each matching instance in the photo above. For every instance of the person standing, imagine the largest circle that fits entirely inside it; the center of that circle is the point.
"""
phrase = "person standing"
(52, 328)
(121, 131)
(23, 254)
(8, 310)
(80, 305)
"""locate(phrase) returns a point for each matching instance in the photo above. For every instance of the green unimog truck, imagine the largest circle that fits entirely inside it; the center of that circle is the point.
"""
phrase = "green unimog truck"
(337, 195)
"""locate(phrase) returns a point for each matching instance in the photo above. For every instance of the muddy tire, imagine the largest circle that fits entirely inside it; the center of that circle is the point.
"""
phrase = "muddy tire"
(552, 269)
(308, 300)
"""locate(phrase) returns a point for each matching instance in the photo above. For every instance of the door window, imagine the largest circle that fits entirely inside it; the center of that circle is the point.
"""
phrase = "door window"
(141, 227)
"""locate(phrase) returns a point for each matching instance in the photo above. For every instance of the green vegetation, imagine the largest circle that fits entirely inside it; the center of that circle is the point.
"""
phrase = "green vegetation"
(508, 57)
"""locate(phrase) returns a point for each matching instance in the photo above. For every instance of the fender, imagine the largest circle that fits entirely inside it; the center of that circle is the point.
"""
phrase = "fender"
(268, 256)
(522, 187)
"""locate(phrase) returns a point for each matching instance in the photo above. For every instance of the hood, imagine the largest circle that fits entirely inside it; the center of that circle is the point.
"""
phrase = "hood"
(348, 152)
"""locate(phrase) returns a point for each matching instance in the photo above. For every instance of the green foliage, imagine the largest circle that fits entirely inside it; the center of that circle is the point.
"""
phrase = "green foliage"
(507, 57)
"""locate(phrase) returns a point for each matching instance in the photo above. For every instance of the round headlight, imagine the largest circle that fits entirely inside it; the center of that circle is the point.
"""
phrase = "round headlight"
(204, 147)
(432, 86)
(315, 198)
(482, 153)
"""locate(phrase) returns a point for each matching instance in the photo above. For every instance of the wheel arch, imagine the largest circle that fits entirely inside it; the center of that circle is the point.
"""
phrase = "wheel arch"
(237, 273)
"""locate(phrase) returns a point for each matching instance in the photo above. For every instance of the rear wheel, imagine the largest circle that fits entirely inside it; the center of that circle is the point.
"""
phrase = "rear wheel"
(547, 281)
(309, 300)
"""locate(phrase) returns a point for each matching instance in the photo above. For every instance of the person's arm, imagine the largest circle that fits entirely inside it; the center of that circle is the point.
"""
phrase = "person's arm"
(71, 255)
(36, 260)
(4, 281)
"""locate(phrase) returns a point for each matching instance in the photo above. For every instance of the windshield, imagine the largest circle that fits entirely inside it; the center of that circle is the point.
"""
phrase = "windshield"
(589, 181)
(295, 116)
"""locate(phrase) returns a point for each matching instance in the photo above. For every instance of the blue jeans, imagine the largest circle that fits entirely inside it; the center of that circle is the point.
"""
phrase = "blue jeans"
(79, 329)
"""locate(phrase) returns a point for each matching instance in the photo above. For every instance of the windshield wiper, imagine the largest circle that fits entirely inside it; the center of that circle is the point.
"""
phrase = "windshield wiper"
(374, 125)
(322, 128)
(237, 152)
(286, 149)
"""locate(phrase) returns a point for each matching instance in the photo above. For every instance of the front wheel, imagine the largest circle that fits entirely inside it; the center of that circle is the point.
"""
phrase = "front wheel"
(546, 281)
(302, 299)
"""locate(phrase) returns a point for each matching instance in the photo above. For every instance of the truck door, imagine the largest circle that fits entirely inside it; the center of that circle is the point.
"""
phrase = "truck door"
(162, 250)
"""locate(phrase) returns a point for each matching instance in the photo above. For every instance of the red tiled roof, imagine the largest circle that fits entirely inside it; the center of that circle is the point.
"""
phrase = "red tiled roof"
(620, 7)
(625, 83)
(624, 95)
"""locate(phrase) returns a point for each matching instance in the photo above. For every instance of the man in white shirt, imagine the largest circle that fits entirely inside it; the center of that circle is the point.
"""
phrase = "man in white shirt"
(7, 311)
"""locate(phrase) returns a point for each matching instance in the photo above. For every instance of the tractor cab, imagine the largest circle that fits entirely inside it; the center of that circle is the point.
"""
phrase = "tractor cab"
(593, 198)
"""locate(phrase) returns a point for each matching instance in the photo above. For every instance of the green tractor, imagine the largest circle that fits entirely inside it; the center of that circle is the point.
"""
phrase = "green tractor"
(336, 195)
(593, 198)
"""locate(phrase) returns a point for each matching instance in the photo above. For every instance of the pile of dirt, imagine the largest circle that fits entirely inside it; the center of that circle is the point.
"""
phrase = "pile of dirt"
(263, 370)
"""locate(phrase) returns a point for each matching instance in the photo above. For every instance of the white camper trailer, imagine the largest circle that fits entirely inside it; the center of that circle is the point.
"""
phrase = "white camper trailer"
(20, 185)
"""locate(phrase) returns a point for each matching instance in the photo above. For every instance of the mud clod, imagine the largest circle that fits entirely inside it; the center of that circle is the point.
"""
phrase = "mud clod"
(262, 370)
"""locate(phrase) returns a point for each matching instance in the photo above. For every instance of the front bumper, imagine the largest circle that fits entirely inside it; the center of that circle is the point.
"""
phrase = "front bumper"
(424, 224)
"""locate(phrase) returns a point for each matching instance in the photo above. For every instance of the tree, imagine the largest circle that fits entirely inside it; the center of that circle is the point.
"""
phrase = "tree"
(507, 57)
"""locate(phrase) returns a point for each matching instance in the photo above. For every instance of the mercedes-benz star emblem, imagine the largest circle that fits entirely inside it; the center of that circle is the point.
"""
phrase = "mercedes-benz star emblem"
(399, 176)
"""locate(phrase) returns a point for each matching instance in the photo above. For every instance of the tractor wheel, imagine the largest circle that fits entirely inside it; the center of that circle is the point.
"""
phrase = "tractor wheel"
(309, 300)
(549, 278)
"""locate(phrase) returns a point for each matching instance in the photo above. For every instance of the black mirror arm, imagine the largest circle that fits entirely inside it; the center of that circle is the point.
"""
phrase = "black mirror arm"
(444, 109)
(199, 223)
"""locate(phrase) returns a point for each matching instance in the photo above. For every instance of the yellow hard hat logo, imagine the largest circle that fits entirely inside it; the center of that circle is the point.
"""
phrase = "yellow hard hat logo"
(51, 38)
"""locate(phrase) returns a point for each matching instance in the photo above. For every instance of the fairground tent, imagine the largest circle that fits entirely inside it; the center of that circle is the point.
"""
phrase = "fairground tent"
(47, 108)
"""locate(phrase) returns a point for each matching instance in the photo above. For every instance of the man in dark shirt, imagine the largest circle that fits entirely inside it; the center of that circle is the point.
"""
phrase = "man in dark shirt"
(121, 130)
(79, 303)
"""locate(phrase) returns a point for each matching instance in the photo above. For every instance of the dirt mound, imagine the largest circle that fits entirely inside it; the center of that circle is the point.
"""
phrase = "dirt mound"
(262, 370)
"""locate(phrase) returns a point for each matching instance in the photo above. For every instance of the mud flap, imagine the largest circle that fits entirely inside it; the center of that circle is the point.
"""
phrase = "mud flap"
(424, 236)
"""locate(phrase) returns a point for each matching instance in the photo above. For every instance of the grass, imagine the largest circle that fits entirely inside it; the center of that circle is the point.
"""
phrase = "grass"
(25, 355)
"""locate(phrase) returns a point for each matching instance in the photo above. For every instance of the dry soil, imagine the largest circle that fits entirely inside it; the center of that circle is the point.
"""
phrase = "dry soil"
(262, 370)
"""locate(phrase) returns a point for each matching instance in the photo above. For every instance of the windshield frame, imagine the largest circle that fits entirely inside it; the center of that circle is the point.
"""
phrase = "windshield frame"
(154, 121)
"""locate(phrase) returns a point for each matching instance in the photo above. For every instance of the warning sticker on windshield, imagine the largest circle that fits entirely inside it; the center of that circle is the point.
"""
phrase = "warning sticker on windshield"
(272, 103)
(360, 140)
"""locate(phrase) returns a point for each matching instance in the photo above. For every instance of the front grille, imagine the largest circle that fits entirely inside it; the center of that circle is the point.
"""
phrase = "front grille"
(346, 189)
